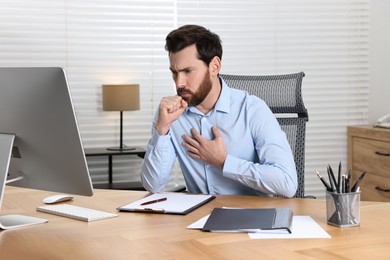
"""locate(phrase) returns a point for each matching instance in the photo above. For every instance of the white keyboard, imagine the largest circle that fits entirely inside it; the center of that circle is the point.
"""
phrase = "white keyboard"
(76, 212)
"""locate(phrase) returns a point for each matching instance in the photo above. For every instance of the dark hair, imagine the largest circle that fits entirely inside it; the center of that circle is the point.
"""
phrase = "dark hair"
(208, 44)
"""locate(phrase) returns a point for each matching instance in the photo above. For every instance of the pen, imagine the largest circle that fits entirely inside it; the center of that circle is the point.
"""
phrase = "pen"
(149, 210)
(153, 201)
(339, 179)
(343, 184)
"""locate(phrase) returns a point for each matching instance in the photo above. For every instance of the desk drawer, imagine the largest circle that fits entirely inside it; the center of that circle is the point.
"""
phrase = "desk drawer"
(371, 156)
(375, 188)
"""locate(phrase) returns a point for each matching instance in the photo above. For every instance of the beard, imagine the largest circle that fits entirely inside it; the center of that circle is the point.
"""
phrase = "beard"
(198, 97)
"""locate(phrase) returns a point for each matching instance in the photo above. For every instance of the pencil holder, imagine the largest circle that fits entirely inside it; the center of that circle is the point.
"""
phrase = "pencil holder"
(343, 209)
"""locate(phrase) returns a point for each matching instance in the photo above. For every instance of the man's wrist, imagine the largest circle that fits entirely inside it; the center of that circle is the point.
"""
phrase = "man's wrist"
(162, 130)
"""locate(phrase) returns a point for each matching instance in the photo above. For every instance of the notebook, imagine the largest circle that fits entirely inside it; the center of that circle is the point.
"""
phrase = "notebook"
(168, 203)
(249, 220)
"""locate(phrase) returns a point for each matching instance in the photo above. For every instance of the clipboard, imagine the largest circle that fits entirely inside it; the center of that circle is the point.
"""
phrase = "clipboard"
(175, 203)
(249, 220)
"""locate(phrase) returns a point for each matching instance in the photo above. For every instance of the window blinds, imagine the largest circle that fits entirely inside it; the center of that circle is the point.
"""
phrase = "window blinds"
(115, 41)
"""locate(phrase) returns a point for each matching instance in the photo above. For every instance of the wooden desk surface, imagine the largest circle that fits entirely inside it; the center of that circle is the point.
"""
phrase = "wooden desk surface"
(154, 236)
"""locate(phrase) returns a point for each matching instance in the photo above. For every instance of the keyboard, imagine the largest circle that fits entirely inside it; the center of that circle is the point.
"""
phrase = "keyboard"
(76, 212)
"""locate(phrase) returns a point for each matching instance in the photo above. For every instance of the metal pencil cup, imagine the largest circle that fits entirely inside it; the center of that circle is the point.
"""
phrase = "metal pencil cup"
(343, 209)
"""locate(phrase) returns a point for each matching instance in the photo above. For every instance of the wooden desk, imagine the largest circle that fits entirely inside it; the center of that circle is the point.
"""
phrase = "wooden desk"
(90, 152)
(154, 236)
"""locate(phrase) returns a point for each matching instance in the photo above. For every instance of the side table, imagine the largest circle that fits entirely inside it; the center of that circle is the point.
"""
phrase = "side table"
(102, 151)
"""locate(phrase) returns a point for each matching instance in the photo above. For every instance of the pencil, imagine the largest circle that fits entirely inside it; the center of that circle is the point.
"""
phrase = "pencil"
(328, 188)
(348, 183)
(356, 186)
(332, 179)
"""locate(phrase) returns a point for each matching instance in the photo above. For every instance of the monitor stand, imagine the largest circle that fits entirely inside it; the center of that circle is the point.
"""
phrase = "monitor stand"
(11, 221)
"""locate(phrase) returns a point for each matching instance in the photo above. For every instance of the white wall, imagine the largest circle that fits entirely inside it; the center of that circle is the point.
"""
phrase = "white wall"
(379, 99)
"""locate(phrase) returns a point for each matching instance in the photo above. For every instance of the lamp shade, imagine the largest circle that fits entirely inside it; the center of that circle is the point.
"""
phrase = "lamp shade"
(121, 97)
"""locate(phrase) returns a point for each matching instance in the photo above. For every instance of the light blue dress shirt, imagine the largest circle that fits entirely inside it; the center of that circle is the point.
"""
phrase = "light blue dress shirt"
(259, 159)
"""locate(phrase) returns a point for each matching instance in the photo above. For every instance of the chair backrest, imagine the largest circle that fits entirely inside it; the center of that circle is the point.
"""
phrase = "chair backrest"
(283, 95)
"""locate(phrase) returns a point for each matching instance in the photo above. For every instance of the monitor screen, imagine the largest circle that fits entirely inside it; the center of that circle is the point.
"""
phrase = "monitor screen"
(47, 153)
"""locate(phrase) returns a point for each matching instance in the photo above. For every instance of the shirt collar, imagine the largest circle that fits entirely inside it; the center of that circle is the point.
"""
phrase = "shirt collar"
(223, 103)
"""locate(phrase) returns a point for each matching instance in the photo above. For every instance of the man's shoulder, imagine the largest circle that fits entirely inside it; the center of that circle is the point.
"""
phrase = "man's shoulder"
(236, 95)
(242, 96)
(237, 92)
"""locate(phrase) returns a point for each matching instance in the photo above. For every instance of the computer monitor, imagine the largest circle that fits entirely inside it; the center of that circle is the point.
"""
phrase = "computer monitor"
(38, 127)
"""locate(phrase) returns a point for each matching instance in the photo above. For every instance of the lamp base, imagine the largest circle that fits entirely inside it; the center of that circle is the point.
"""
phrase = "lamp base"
(125, 148)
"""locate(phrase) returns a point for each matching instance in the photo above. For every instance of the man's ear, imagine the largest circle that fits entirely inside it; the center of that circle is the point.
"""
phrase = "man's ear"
(215, 66)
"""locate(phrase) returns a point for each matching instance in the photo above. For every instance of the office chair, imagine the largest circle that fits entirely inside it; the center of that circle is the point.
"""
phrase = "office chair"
(283, 95)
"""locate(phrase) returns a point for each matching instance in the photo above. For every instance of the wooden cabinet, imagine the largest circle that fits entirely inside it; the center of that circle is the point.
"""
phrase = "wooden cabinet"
(369, 150)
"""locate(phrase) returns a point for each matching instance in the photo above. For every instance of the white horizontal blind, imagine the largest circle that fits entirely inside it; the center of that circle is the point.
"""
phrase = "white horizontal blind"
(116, 42)
(97, 42)
(113, 41)
(327, 39)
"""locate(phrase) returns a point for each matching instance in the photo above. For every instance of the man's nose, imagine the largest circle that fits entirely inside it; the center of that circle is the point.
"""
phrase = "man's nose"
(181, 81)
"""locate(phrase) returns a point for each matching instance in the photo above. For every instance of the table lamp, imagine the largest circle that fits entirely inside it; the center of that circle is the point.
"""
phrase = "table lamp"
(121, 98)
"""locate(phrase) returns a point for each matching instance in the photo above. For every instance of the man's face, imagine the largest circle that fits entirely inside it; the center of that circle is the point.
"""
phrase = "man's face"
(191, 76)
(196, 98)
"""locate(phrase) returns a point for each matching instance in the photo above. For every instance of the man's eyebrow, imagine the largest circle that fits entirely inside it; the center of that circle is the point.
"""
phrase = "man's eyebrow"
(180, 70)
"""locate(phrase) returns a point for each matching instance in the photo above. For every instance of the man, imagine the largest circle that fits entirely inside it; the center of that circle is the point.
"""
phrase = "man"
(226, 141)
